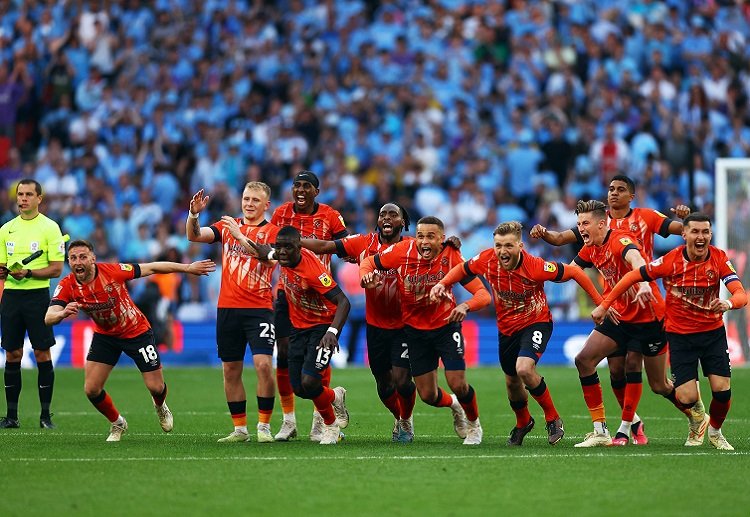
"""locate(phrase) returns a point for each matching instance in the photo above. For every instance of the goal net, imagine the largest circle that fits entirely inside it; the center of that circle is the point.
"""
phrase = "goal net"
(732, 233)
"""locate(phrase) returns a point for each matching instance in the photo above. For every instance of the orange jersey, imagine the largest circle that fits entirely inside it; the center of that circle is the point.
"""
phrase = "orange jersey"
(691, 287)
(245, 280)
(416, 277)
(382, 304)
(106, 300)
(642, 223)
(609, 259)
(305, 286)
(325, 224)
(519, 294)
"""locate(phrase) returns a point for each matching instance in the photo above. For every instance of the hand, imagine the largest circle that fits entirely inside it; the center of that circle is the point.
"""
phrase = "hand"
(437, 292)
(199, 202)
(644, 294)
(459, 313)
(201, 267)
(19, 274)
(538, 231)
(371, 280)
(681, 211)
(350, 260)
(3, 272)
(329, 342)
(719, 305)
(70, 310)
(454, 242)
(598, 314)
(233, 226)
(261, 251)
(613, 316)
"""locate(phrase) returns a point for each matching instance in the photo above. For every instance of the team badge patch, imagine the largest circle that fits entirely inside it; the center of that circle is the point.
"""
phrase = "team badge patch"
(325, 280)
(625, 241)
(550, 267)
(126, 267)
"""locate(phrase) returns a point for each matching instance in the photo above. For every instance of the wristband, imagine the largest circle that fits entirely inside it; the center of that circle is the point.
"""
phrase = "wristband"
(191, 215)
(333, 330)
(731, 306)
(271, 255)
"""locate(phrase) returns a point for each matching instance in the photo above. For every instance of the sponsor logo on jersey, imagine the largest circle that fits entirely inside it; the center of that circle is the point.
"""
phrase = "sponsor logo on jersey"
(57, 291)
(550, 267)
(657, 262)
(325, 280)
(341, 218)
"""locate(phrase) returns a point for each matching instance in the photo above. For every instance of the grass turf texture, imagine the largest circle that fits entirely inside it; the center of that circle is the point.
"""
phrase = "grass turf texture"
(72, 470)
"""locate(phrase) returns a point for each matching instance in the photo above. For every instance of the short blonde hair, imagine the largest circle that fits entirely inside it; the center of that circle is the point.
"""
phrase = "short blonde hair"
(259, 185)
(509, 228)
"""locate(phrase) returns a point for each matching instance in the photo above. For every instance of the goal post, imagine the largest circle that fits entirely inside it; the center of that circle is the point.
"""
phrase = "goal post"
(732, 233)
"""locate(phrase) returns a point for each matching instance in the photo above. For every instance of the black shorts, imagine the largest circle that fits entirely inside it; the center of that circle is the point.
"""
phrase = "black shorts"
(304, 355)
(281, 316)
(23, 311)
(386, 348)
(528, 342)
(235, 328)
(710, 348)
(647, 338)
(427, 346)
(141, 349)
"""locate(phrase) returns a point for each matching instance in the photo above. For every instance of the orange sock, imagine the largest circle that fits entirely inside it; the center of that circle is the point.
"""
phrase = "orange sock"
(542, 395)
(393, 403)
(592, 394)
(407, 402)
(103, 403)
(633, 392)
(325, 377)
(286, 393)
(443, 399)
(323, 403)
(521, 409)
(618, 388)
(469, 403)
(265, 409)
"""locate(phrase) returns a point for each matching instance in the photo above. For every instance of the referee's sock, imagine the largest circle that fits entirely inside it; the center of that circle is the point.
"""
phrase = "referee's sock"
(46, 385)
(12, 377)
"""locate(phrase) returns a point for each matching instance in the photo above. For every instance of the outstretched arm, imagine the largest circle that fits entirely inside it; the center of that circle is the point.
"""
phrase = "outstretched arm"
(320, 247)
(618, 290)
(480, 299)
(369, 278)
(551, 236)
(199, 268)
(577, 274)
(456, 274)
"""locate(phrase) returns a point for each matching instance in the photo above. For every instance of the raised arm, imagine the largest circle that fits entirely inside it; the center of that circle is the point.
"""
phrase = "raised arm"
(193, 229)
(198, 268)
(553, 237)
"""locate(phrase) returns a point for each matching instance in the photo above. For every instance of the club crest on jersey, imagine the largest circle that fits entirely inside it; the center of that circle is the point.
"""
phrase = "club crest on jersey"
(731, 267)
(261, 235)
(317, 223)
(550, 267)
(711, 274)
(625, 241)
(633, 227)
(444, 261)
(325, 280)
(126, 267)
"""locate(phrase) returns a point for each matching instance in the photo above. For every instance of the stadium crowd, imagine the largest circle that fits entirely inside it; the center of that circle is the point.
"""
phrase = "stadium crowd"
(474, 112)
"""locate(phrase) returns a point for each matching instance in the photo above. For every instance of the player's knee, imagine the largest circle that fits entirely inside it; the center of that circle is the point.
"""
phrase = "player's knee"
(264, 370)
(92, 389)
(459, 387)
(526, 371)
(309, 385)
(660, 386)
(427, 396)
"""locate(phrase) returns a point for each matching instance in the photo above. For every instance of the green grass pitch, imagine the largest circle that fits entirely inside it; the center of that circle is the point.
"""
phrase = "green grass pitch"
(73, 471)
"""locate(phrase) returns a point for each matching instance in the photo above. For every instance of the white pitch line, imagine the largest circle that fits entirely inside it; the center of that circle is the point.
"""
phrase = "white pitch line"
(370, 458)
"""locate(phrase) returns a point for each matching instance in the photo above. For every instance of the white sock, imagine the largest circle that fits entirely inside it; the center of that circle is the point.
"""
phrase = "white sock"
(290, 417)
(601, 428)
(712, 431)
(240, 429)
(624, 428)
(636, 418)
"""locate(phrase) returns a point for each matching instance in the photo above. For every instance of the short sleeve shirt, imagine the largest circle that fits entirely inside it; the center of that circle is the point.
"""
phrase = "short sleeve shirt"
(306, 286)
(20, 238)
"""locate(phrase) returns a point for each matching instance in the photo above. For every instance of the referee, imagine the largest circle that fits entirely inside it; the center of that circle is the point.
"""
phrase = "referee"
(25, 296)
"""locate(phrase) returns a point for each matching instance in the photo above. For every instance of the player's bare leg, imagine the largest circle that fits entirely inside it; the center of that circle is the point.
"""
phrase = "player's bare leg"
(631, 398)
(155, 383)
(95, 376)
(432, 395)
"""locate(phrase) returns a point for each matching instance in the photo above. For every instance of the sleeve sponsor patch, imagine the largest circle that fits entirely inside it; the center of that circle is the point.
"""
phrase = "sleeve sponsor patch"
(550, 267)
(61, 247)
(57, 291)
(126, 267)
(325, 280)
(730, 266)
(657, 262)
(341, 218)
(625, 241)
(660, 214)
